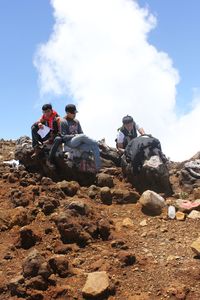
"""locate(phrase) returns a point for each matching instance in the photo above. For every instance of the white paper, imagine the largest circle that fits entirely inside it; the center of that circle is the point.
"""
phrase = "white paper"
(43, 131)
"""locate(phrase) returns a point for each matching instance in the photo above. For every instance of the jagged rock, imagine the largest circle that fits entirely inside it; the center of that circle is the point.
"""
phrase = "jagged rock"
(152, 203)
(190, 175)
(93, 191)
(97, 284)
(79, 206)
(119, 244)
(196, 246)
(48, 204)
(194, 214)
(16, 287)
(4, 220)
(60, 265)
(106, 196)
(72, 227)
(32, 264)
(105, 180)
(27, 238)
(125, 196)
(127, 222)
(37, 283)
(46, 181)
(20, 201)
(196, 193)
(126, 258)
(64, 168)
(104, 229)
(70, 188)
(19, 217)
(109, 154)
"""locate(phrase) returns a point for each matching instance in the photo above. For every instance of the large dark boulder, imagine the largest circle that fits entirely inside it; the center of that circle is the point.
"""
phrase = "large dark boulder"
(65, 168)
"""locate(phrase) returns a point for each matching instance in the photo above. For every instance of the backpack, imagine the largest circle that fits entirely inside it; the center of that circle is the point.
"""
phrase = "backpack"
(140, 149)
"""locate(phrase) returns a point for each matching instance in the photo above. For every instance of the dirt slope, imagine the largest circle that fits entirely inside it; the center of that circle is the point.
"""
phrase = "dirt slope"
(67, 225)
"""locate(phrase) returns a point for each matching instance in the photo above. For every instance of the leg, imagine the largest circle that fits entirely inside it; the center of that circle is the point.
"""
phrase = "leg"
(36, 138)
(85, 143)
(57, 142)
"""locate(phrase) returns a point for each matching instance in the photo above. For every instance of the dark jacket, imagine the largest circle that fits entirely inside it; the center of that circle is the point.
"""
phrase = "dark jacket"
(69, 128)
(128, 136)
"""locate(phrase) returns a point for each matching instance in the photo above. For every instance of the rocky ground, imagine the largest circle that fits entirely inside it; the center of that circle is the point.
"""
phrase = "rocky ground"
(60, 240)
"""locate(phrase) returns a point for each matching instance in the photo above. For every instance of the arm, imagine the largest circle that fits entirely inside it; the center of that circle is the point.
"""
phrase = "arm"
(141, 131)
(79, 128)
(64, 131)
(119, 143)
(40, 122)
(120, 148)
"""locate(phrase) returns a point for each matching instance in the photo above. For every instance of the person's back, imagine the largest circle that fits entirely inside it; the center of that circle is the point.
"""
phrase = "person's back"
(127, 132)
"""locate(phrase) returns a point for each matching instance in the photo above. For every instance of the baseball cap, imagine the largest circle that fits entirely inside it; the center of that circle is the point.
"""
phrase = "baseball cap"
(127, 119)
(71, 108)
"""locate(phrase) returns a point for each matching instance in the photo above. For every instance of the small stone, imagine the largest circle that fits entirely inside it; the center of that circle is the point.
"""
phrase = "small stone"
(127, 222)
(180, 216)
(143, 222)
(194, 214)
(96, 285)
(196, 246)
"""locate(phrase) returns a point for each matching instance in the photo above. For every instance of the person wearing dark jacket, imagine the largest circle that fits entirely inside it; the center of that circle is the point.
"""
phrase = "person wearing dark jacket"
(50, 118)
(127, 132)
(72, 135)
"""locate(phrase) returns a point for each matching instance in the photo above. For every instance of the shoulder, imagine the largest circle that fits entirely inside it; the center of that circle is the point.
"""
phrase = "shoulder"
(76, 121)
(55, 114)
(63, 121)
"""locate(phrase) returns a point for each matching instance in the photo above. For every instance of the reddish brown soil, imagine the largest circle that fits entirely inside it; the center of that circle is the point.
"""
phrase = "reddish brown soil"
(165, 266)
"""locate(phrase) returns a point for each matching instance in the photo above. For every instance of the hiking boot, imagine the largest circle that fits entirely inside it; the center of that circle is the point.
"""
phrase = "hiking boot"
(37, 151)
(50, 165)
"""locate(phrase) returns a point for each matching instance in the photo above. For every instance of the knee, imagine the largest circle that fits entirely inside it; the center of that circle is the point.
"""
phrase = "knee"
(34, 127)
(58, 139)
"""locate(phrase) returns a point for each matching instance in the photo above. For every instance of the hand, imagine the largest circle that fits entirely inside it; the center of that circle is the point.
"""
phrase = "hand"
(40, 125)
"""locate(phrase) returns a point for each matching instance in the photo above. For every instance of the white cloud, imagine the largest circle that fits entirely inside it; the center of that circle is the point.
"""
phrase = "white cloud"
(98, 52)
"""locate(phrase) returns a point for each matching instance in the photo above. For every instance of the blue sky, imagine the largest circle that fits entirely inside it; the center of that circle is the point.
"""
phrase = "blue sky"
(25, 25)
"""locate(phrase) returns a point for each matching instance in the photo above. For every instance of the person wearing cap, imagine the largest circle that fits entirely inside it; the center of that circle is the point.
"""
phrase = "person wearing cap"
(72, 135)
(127, 132)
(50, 118)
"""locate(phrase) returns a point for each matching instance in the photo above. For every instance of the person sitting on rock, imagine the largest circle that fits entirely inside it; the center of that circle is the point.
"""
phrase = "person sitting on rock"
(72, 135)
(127, 132)
(50, 118)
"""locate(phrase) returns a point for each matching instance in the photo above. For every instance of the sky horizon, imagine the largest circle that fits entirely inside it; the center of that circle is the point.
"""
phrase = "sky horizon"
(110, 58)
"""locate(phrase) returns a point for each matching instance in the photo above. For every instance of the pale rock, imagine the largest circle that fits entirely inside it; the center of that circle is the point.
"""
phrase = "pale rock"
(180, 216)
(97, 283)
(196, 246)
(173, 257)
(194, 214)
(143, 222)
(152, 202)
(127, 222)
